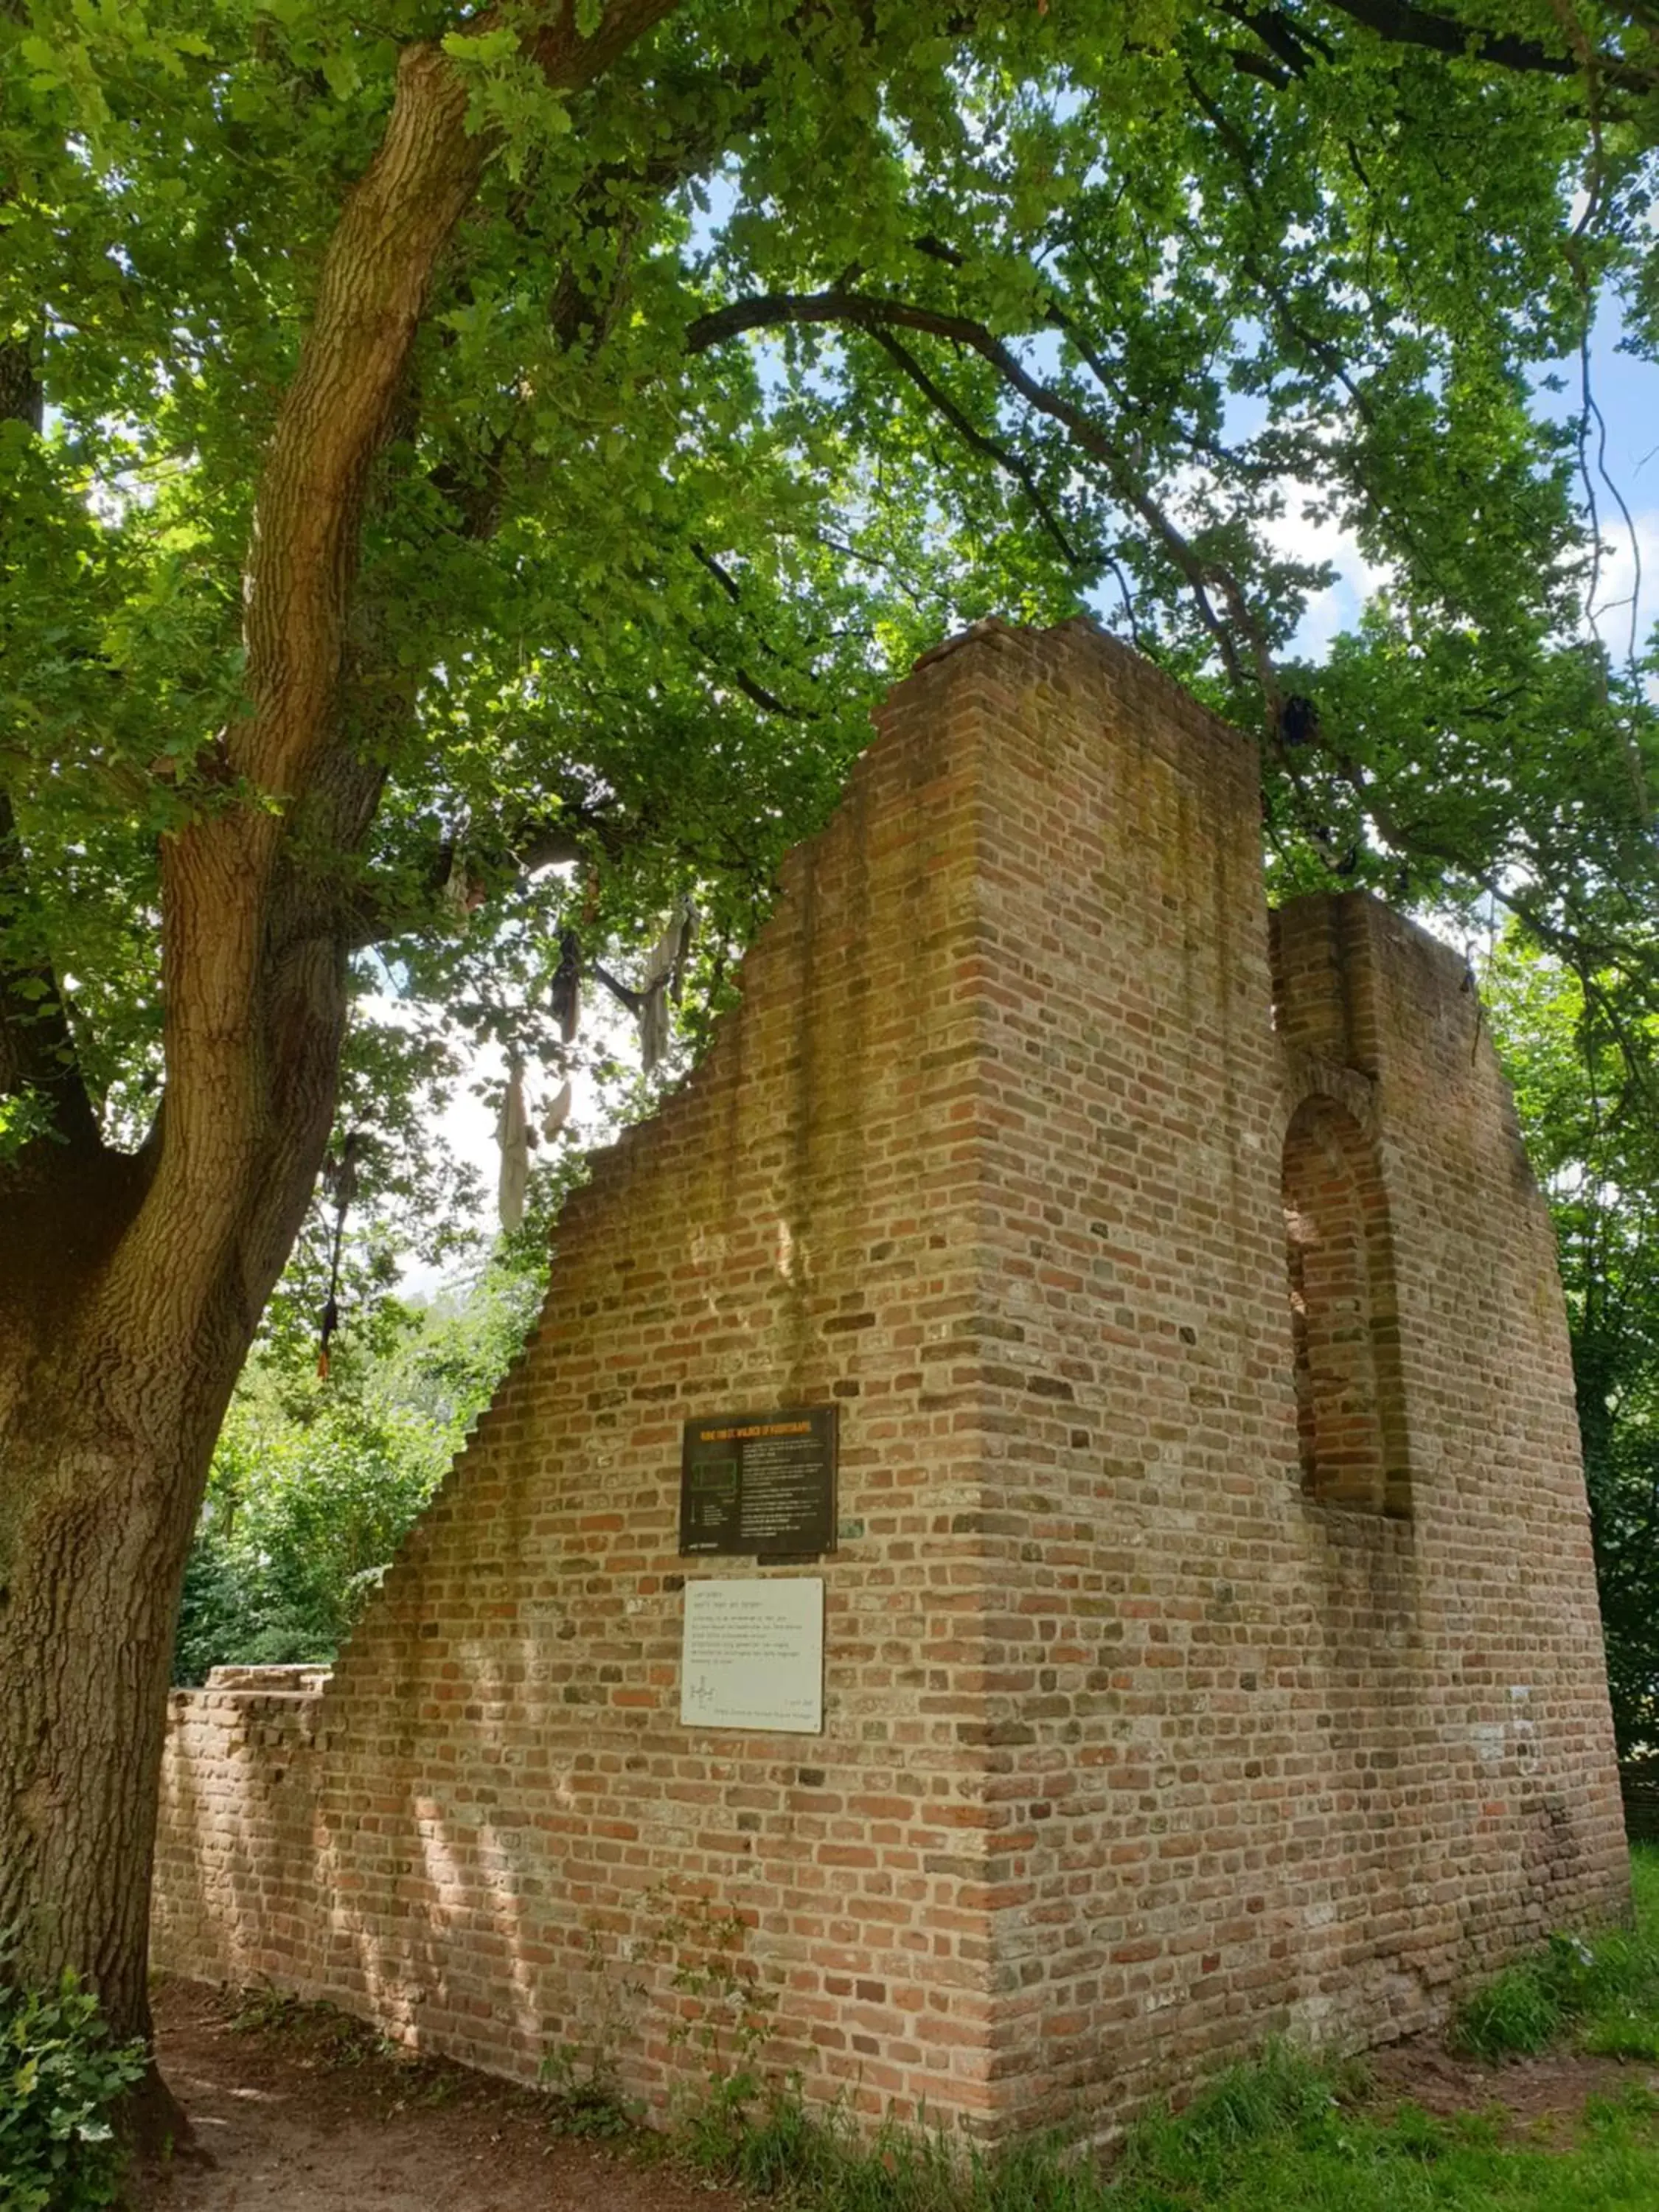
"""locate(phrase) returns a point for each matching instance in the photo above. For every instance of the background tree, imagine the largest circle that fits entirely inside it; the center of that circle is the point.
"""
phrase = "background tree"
(466, 476)
(311, 1490)
(1579, 1047)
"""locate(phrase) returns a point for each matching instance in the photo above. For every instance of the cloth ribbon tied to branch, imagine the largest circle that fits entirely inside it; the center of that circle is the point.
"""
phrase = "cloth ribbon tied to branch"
(660, 983)
(340, 1177)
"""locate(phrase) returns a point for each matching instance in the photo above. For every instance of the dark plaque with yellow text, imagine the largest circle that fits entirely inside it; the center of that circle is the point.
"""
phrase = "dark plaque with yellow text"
(759, 1484)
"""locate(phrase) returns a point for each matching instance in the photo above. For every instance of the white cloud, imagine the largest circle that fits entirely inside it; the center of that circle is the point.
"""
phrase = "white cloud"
(1300, 535)
(1629, 564)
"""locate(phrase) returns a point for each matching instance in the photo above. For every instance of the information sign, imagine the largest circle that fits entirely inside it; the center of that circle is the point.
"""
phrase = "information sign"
(760, 1485)
(753, 1654)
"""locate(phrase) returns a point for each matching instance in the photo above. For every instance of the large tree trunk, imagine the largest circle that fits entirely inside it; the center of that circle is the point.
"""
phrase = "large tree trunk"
(122, 1333)
(105, 1466)
(131, 1287)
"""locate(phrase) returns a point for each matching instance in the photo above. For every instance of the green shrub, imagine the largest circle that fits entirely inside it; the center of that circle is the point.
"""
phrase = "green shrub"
(314, 1484)
(61, 2077)
(299, 1523)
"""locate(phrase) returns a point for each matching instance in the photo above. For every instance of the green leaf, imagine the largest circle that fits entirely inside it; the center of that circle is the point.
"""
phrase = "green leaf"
(480, 49)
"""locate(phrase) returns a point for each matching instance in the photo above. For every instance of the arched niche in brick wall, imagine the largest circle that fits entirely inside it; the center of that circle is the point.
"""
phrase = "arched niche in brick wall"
(1343, 1326)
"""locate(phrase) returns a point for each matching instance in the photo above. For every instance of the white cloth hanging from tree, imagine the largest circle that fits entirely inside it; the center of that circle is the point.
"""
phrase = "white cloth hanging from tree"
(557, 1111)
(662, 965)
(513, 1135)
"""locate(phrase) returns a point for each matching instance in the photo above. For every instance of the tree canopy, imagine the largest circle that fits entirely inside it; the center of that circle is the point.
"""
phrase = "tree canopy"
(754, 365)
(464, 477)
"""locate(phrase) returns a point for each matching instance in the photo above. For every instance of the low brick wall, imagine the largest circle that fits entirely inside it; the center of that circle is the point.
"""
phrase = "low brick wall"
(236, 1895)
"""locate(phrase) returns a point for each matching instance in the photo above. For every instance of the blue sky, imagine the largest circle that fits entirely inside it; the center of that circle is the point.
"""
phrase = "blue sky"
(1626, 391)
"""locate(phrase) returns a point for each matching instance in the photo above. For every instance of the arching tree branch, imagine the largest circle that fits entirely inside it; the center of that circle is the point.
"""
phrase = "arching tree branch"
(841, 306)
(906, 361)
(1443, 34)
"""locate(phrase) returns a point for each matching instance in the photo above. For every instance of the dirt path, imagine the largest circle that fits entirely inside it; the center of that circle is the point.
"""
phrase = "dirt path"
(307, 2113)
(307, 2116)
(1543, 2097)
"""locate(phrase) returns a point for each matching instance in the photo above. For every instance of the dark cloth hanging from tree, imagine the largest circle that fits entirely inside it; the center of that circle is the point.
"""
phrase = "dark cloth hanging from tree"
(340, 1177)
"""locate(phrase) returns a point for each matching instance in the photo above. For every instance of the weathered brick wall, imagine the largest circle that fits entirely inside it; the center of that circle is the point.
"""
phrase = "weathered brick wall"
(1136, 1746)
(501, 1759)
(235, 1896)
(1263, 1761)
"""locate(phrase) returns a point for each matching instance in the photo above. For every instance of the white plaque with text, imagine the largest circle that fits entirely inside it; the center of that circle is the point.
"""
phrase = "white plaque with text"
(753, 1656)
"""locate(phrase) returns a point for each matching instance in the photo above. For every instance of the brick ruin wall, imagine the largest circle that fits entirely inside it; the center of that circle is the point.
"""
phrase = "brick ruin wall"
(1211, 1644)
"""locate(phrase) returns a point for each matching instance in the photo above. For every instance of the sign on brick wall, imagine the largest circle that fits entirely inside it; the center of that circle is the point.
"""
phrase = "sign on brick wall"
(753, 1654)
(761, 1484)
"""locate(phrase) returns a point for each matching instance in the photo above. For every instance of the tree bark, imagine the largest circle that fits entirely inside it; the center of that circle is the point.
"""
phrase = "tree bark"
(103, 1485)
(130, 1287)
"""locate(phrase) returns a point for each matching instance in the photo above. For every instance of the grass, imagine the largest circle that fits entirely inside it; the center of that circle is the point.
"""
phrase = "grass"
(1277, 2136)
(1604, 1994)
(1287, 2134)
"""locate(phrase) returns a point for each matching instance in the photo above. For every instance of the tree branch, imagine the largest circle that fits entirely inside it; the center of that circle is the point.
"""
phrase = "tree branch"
(758, 696)
(970, 435)
(378, 913)
(750, 687)
(841, 306)
(1296, 48)
(1256, 65)
(723, 576)
(1400, 25)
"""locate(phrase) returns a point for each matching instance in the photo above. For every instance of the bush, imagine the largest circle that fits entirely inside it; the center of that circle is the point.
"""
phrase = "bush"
(60, 2078)
(314, 1484)
(300, 1521)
